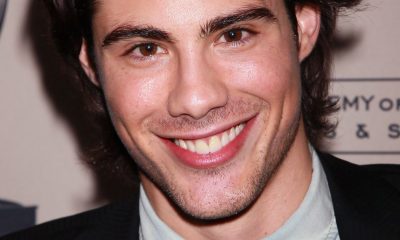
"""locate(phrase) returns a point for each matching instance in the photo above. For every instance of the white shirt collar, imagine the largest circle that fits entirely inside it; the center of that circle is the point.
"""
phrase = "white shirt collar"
(314, 219)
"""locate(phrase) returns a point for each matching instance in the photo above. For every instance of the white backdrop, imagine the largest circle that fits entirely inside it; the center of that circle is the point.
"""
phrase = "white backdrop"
(39, 157)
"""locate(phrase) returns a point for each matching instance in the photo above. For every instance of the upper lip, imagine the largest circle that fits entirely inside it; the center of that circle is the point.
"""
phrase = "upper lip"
(207, 132)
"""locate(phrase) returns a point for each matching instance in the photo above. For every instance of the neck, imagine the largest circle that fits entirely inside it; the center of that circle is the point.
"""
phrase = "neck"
(278, 201)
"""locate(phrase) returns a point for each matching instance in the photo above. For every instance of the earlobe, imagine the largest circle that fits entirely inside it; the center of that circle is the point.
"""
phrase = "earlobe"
(308, 26)
(86, 64)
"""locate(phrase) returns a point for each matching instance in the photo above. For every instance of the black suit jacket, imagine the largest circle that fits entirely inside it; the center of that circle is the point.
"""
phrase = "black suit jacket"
(366, 201)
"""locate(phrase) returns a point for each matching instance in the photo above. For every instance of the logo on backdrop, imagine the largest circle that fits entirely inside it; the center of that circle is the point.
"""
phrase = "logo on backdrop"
(369, 117)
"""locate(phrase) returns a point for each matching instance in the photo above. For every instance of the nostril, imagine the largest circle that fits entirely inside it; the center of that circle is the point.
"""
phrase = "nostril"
(196, 100)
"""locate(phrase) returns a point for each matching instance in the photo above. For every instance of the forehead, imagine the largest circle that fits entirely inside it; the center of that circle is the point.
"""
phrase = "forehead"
(169, 13)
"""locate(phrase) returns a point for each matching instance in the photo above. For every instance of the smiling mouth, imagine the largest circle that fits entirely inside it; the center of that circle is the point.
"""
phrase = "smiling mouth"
(211, 151)
(212, 143)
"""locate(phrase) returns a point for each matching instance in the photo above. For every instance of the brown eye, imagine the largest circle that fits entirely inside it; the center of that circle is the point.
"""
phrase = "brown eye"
(148, 49)
(233, 35)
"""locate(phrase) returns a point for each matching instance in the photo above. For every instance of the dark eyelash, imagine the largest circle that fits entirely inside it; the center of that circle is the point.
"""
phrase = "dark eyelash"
(239, 29)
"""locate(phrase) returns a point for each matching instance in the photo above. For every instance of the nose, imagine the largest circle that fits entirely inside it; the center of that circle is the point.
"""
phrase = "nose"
(198, 88)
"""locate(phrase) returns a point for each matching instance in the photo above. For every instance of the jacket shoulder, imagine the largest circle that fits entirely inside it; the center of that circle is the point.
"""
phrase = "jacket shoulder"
(389, 172)
(365, 198)
(364, 175)
(107, 222)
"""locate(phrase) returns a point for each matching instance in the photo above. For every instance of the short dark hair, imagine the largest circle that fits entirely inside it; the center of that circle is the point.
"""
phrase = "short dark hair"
(72, 23)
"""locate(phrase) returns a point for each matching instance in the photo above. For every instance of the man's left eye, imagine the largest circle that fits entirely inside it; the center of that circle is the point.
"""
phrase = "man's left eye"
(234, 36)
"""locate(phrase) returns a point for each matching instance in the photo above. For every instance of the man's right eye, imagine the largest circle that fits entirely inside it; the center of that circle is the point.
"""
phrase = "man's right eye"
(144, 50)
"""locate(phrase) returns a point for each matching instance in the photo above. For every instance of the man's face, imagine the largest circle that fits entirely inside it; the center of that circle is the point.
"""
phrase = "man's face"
(205, 95)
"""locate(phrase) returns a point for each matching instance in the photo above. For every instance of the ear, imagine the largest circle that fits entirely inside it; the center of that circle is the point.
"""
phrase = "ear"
(87, 64)
(308, 25)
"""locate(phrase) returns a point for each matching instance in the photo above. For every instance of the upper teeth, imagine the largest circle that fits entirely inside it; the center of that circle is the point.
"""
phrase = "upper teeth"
(210, 144)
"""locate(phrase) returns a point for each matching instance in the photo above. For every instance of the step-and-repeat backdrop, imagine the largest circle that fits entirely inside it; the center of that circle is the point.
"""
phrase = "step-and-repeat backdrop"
(368, 129)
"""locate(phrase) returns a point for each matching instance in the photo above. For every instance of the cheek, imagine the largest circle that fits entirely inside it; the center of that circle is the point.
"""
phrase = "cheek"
(132, 95)
(268, 74)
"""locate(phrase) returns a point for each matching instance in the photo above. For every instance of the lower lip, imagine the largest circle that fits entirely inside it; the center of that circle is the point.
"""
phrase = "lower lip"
(211, 160)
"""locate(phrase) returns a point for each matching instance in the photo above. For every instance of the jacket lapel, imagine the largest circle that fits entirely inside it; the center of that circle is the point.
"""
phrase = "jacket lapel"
(365, 205)
(119, 220)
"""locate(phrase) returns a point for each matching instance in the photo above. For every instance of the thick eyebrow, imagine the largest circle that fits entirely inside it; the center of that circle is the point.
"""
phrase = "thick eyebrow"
(245, 14)
(126, 32)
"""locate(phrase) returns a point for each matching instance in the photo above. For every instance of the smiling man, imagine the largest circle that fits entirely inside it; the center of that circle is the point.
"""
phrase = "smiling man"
(221, 105)
(188, 99)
